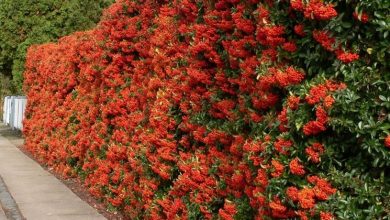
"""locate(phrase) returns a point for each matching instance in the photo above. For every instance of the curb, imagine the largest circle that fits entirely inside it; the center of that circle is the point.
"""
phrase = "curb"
(8, 203)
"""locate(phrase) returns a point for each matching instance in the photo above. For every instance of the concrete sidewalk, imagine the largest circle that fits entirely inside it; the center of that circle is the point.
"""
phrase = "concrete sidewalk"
(38, 194)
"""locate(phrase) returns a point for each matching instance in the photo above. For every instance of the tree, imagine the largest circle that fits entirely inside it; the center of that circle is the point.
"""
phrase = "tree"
(23, 23)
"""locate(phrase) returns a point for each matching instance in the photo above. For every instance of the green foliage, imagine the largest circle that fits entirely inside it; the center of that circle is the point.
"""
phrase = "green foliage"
(24, 23)
(357, 161)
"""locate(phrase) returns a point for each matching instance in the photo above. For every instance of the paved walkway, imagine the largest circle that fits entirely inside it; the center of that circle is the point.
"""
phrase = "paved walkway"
(37, 193)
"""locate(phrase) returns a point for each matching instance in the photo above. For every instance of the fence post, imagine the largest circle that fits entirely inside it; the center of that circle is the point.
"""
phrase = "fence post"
(5, 110)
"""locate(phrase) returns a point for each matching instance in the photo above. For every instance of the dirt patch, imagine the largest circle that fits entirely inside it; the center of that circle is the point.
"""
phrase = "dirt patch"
(74, 184)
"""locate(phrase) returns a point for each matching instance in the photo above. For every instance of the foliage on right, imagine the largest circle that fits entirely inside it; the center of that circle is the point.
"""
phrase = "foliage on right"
(224, 109)
(347, 41)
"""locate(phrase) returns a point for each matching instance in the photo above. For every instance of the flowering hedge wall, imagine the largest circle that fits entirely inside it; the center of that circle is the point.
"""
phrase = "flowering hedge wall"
(221, 109)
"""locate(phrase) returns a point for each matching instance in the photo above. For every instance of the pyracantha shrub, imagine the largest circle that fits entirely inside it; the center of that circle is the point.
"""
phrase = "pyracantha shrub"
(225, 109)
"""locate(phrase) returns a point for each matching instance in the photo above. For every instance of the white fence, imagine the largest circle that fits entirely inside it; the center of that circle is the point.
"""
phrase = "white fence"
(13, 111)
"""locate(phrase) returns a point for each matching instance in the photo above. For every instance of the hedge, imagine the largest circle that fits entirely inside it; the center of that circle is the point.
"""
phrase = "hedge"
(221, 109)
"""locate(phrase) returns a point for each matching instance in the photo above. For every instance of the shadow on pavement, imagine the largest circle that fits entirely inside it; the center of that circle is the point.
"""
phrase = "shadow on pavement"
(14, 136)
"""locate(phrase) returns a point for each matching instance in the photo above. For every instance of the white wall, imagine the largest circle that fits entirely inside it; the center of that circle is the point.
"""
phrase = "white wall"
(13, 111)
